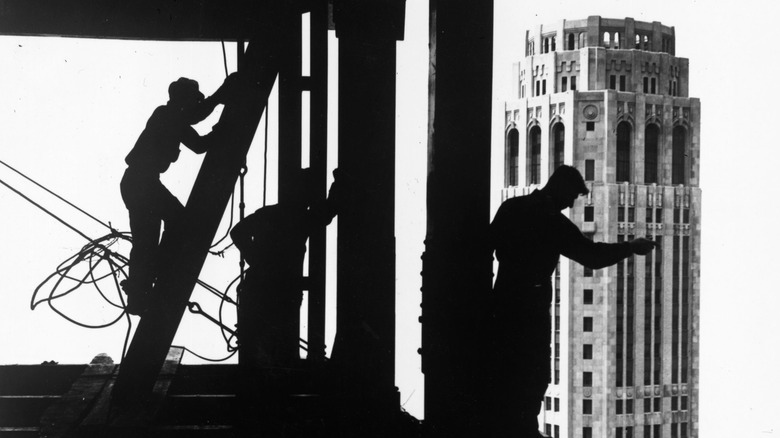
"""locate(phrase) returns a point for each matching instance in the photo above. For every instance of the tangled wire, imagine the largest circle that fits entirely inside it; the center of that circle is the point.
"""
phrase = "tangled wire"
(101, 266)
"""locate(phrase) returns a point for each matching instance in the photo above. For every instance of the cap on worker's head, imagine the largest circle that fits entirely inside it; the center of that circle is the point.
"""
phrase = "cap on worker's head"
(569, 178)
(183, 89)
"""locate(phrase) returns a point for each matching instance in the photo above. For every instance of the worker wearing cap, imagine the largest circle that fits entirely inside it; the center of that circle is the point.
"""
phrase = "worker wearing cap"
(148, 202)
(529, 234)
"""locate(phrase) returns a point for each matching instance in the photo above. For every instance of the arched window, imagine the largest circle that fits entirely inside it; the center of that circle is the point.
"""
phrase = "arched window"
(623, 162)
(616, 40)
(513, 157)
(646, 43)
(678, 155)
(571, 42)
(546, 45)
(534, 155)
(637, 42)
(558, 146)
(552, 47)
(651, 153)
(582, 40)
(606, 39)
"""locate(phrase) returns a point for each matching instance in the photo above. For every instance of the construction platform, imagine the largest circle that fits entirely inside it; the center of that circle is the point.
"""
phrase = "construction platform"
(51, 400)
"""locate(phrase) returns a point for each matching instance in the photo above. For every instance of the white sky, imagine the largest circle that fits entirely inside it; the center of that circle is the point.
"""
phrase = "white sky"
(70, 110)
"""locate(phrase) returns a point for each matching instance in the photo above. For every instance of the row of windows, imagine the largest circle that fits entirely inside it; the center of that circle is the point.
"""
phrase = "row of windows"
(679, 430)
(616, 82)
(540, 86)
(622, 407)
(628, 214)
(610, 40)
(623, 154)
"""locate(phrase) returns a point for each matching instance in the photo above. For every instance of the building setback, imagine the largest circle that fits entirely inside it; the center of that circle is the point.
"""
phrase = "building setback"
(609, 97)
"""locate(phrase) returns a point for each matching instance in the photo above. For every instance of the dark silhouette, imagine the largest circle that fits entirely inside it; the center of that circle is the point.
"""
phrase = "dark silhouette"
(148, 202)
(273, 242)
(528, 234)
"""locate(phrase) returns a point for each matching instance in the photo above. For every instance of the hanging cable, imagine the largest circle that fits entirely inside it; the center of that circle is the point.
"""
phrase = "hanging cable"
(45, 210)
(55, 195)
(265, 156)
(224, 57)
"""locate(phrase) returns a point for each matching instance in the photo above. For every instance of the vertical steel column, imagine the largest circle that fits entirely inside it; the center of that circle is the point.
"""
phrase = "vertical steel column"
(457, 264)
(290, 106)
(365, 346)
(318, 159)
(186, 245)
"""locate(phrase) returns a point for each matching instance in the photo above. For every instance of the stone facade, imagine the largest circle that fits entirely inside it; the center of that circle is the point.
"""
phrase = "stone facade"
(610, 98)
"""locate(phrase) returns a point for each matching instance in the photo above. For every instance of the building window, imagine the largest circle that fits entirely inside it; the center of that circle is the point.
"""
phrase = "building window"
(652, 85)
(644, 84)
(564, 83)
(548, 403)
(558, 133)
(571, 41)
(587, 296)
(622, 83)
(557, 404)
(678, 155)
(587, 407)
(587, 324)
(587, 272)
(590, 126)
(606, 39)
(619, 407)
(612, 82)
(553, 44)
(573, 83)
(637, 42)
(544, 87)
(587, 379)
(590, 170)
(546, 45)
(513, 152)
(557, 432)
(548, 429)
(616, 41)
(623, 164)
(587, 432)
(534, 155)
(651, 153)
(587, 351)
(629, 406)
(537, 88)
(589, 213)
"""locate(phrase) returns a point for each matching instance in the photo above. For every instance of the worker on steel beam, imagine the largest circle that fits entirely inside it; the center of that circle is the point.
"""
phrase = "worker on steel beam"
(148, 202)
(272, 240)
(529, 234)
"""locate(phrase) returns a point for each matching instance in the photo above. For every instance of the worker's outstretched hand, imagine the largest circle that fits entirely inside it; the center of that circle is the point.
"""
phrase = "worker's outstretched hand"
(642, 246)
(229, 88)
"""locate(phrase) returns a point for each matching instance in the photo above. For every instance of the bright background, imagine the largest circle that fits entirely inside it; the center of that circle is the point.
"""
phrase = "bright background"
(70, 110)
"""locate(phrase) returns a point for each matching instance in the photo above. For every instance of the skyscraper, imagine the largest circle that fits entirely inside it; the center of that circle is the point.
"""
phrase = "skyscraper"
(610, 97)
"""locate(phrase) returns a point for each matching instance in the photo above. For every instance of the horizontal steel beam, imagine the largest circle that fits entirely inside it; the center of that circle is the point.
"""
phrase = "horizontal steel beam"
(165, 20)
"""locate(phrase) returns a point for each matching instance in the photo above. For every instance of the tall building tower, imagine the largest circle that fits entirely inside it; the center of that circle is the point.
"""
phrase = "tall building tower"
(610, 97)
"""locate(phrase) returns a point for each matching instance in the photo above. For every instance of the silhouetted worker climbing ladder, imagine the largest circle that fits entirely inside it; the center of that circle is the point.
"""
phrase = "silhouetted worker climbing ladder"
(186, 247)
